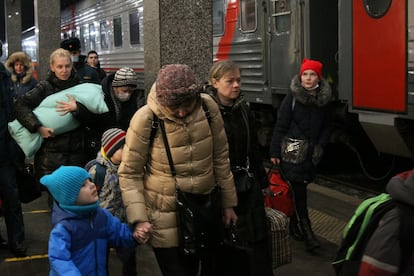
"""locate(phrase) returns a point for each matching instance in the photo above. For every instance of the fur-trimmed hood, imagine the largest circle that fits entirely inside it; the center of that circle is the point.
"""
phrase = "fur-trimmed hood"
(28, 66)
(323, 95)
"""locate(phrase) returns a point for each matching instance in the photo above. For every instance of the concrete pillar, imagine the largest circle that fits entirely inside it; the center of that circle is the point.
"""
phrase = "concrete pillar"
(13, 26)
(177, 32)
(47, 26)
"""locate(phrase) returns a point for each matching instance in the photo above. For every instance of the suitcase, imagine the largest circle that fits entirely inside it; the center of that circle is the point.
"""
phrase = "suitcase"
(277, 223)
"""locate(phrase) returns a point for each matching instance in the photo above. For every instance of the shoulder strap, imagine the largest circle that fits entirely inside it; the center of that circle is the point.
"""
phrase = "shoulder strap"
(100, 172)
(100, 175)
(167, 148)
(154, 127)
(206, 111)
(246, 121)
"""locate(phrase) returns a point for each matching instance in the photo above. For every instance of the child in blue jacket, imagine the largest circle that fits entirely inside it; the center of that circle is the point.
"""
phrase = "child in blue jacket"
(82, 231)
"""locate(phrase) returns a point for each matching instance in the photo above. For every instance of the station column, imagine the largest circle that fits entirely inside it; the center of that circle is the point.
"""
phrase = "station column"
(13, 26)
(47, 23)
(177, 32)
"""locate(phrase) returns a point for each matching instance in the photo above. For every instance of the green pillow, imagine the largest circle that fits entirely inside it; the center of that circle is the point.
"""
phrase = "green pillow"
(89, 94)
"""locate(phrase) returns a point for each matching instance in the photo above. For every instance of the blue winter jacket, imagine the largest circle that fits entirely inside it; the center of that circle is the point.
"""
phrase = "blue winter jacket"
(78, 244)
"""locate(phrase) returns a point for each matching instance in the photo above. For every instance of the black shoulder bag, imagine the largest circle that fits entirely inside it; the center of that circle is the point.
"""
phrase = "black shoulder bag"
(243, 177)
(198, 215)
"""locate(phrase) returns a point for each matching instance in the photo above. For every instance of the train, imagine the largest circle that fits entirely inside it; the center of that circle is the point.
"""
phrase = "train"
(366, 47)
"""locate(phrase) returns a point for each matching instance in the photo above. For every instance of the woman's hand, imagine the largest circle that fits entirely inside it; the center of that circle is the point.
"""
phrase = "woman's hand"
(142, 232)
(45, 132)
(66, 107)
(275, 161)
(230, 217)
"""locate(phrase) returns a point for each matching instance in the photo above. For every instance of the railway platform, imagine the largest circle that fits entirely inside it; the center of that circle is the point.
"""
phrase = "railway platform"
(330, 210)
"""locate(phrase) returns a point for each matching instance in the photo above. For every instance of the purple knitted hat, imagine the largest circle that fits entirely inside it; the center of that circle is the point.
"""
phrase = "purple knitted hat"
(176, 84)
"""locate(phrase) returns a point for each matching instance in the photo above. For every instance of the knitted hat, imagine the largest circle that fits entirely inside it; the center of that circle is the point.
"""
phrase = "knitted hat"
(125, 76)
(309, 64)
(71, 44)
(176, 84)
(65, 183)
(112, 140)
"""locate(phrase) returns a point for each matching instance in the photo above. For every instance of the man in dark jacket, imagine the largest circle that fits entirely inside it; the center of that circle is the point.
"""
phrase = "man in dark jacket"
(9, 151)
(83, 70)
(390, 249)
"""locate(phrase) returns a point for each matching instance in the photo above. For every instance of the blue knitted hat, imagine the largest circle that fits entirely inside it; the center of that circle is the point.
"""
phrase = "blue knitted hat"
(65, 183)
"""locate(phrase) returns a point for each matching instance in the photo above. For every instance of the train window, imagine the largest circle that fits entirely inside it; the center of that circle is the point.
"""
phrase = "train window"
(104, 35)
(134, 28)
(82, 37)
(218, 17)
(377, 8)
(92, 37)
(248, 15)
(281, 15)
(117, 32)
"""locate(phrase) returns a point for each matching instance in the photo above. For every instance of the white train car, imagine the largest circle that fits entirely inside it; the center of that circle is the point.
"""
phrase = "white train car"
(112, 28)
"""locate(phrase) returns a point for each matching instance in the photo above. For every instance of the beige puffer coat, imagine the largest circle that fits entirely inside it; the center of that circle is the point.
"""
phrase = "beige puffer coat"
(200, 155)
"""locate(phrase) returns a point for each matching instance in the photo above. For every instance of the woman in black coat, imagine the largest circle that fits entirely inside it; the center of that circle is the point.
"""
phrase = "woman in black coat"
(68, 148)
(301, 132)
(224, 79)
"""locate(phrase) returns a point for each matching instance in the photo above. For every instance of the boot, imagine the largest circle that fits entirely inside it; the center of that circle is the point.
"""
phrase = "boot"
(295, 230)
(311, 242)
(3, 243)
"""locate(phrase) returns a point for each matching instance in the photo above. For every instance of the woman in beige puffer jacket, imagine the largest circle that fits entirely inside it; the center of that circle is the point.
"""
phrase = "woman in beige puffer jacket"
(199, 151)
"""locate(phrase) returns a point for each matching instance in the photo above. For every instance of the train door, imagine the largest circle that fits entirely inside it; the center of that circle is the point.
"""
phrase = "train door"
(285, 38)
(379, 55)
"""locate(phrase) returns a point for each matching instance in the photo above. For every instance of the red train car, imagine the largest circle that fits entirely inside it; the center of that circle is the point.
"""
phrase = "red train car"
(367, 48)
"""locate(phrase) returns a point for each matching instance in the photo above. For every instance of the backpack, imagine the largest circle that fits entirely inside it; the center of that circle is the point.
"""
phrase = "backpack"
(100, 172)
(358, 231)
(281, 197)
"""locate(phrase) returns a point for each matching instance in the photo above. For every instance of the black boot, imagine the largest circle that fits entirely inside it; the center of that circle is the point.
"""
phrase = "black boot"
(3, 243)
(18, 249)
(295, 230)
(311, 242)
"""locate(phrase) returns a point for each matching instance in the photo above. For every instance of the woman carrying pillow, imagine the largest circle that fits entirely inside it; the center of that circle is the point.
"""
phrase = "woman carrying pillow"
(64, 149)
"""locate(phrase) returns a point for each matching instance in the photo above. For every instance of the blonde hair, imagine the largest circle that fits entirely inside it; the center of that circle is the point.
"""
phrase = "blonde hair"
(220, 68)
(59, 53)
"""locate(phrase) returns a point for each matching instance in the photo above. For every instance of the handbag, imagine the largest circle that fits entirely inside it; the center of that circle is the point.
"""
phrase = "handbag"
(281, 195)
(236, 257)
(27, 184)
(243, 179)
(294, 150)
(198, 215)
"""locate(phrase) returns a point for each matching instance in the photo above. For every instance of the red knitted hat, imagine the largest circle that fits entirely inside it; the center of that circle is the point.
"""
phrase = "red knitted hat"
(314, 65)
(112, 140)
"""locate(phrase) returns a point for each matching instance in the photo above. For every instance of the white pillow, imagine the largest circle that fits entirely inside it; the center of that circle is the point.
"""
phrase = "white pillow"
(89, 94)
